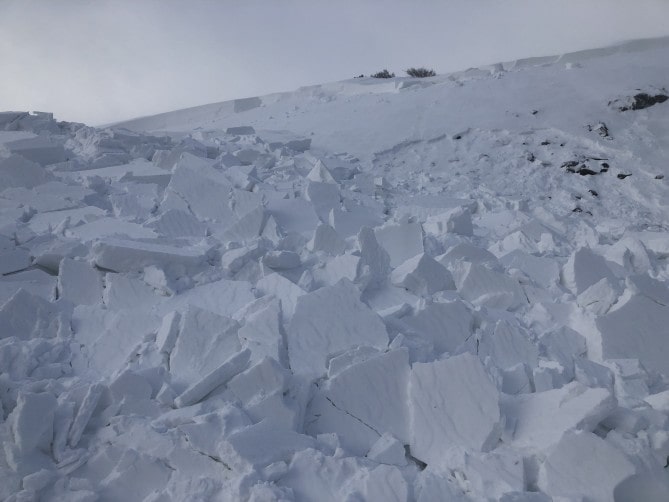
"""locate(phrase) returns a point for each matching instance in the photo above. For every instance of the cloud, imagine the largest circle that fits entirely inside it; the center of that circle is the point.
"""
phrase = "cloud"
(106, 60)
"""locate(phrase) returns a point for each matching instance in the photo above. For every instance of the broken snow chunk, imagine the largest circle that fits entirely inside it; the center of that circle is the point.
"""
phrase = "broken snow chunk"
(465, 251)
(168, 332)
(539, 420)
(32, 421)
(423, 276)
(126, 292)
(599, 297)
(215, 378)
(543, 271)
(388, 450)
(121, 255)
(86, 409)
(286, 291)
(281, 260)
(328, 321)
(205, 341)
(657, 291)
(375, 392)
(563, 346)
(584, 466)
(79, 283)
(457, 220)
(17, 171)
(264, 378)
(508, 345)
(484, 287)
(401, 240)
(327, 239)
(260, 445)
(446, 325)
(630, 253)
(324, 197)
(348, 223)
(636, 328)
(373, 267)
(583, 269)
(592, 374)
(240, 131)
(176, 223)
(27, 316)
(452, 404)
(14, 260)
(320, 174)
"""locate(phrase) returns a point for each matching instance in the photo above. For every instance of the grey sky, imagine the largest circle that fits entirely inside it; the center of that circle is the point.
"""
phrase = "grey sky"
(98, 61)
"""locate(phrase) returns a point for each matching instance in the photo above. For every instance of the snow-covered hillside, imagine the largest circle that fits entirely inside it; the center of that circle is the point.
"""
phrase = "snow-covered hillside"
(453, 288)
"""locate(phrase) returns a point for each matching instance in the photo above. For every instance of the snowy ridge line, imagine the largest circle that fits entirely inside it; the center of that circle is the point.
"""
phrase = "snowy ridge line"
(469, 305)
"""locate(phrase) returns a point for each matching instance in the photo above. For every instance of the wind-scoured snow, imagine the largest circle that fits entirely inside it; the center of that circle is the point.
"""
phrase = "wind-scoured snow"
(451, 288)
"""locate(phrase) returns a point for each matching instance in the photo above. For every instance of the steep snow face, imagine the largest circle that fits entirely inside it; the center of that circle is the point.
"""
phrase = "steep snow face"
(448, 288)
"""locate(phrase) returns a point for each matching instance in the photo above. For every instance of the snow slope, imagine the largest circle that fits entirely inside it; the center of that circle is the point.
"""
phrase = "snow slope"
(452, 288)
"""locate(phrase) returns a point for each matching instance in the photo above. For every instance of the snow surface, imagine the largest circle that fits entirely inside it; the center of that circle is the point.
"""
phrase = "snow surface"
(453, 288)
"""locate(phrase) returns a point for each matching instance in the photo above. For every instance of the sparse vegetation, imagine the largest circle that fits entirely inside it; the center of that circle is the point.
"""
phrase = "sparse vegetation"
(383, 74)
(420, 72)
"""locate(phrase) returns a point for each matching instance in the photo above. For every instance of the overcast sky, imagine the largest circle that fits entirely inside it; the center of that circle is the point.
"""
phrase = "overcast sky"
(98, 61)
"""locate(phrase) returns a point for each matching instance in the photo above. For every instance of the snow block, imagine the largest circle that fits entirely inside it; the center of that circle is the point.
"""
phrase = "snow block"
(373, 267)
(79, 283)
(583, 269)
(176, 223)
(583, 466)
(401, 240)
(375, 392)
(539, 420)
(637, 328)
(327, 240)
(16, 171)
(324, 197)
(445, 325)
(31, 421)
(240, 131)
(41, 149)
(452, 404)
(328, 321)
(423, 276)
(286, 291)
(388, 450)
(14, 260)
(465, 251)
(321, 174)
(215, 378)
(205, 341)
(484, 287)
(27, 316)
(508, 346)
(599, 297)
(121, 255)
(457, 220)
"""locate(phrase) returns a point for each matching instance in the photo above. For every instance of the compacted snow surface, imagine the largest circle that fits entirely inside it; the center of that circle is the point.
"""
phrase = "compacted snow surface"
(453, 288)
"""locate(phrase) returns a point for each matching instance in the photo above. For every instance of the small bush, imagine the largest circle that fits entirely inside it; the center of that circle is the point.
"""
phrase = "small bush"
(383, 74)
(420, 72)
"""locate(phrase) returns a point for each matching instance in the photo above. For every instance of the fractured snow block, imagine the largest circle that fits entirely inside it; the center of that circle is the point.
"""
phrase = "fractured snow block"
(658, 291)
(205, 341)
(41, 149)
(543, 271)
(508, 346)
(631, 254)
(31, 421)
(260, 445)
(215, 378)
(126, 292)
(636, 328)
(375, 392)
(584, 466)
(401, 240)
(445, 325)
(79, 283)
(324, 197)
(85, 413)
(484, 287)
(328, 321)
(465, 251)
(422, 275)
(16, 171)
(14, 260)
(120, 255)
(321, 174)
(373, 267)
(452, 404)
(348, 223)
(539, 420)
(583, 269)
(176, 223)
(457, 220)
(563, 346)
(248, 227)
(599, 297)
(286, 291)
(240, 131)
(293, 215)
(281, 260)
(27, 316)
(264, 378)
(327, 239)
(388, 450)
